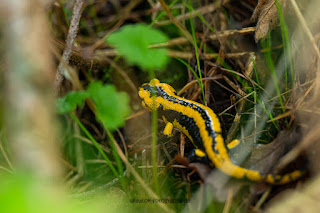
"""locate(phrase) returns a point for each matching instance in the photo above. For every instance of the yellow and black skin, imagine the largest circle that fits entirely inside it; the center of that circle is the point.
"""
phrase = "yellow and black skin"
(201, 125)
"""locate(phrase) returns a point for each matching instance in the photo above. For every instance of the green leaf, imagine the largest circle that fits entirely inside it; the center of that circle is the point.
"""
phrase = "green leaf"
(112, 106)
(132, 42)
(28, 193)
(70, 101)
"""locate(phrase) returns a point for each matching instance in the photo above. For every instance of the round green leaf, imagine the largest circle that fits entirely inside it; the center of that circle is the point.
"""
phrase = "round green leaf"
(132, 41)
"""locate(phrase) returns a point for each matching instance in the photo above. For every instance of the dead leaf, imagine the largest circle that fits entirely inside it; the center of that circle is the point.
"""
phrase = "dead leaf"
(257, 11)
(267, 14)
(265, 157)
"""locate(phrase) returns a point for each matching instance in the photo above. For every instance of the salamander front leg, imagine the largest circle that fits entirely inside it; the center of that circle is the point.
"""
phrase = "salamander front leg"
(168, 129)
(233, 144)
(197, 155)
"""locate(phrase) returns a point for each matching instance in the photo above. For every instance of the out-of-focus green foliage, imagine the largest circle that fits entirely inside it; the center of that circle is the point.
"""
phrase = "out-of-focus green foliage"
(70, 101)
(21, 193)
(132, 41)
(112, 106)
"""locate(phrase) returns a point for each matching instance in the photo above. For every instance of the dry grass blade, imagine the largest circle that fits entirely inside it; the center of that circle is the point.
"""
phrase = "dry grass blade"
(203, 10)
(227, 205)
(124, 75)
(208, 56)
(176, 22)
(191, 83)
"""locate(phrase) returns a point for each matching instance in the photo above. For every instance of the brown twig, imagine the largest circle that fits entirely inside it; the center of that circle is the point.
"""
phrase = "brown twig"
(208, 56)
(72, 34)
(174, 54)
(212, 36)
(188, 85)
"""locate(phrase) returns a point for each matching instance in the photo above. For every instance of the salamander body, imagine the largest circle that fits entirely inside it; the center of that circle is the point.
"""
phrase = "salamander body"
(201, 125)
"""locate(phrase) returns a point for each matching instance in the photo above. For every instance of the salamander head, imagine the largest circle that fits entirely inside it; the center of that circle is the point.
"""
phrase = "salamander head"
(153, 92)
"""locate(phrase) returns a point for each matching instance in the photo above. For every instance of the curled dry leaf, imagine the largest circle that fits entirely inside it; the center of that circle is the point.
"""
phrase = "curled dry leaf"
(264, 158)
(267, 15)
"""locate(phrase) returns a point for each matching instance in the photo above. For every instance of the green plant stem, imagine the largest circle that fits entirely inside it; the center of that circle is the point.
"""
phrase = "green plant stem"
(154, 149)
(197, 54)
(199, 16)
(116, 157)
(95, 143)
(154, 141)
(272, 70)
(65, 13)
(192, 70)
(286, 43)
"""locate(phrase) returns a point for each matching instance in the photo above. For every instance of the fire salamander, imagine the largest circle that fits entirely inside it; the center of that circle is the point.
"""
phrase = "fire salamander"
(201, 125)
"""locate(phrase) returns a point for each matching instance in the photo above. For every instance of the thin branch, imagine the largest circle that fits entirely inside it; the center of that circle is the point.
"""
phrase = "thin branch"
(213, 36)
(72, 34)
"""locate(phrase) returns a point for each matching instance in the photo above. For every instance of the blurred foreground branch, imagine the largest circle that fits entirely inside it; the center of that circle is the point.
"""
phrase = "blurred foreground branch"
(29, 100)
